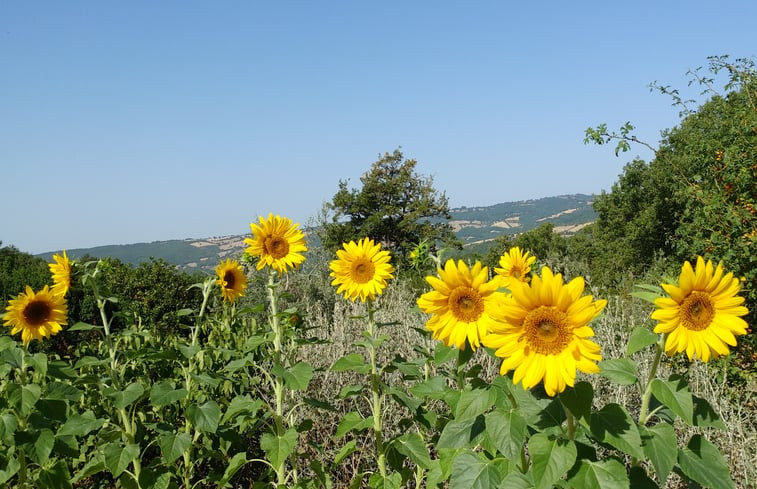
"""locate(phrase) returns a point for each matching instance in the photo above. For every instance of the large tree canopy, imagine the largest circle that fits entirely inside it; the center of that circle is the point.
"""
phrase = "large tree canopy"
(395, 206)
(697, 196)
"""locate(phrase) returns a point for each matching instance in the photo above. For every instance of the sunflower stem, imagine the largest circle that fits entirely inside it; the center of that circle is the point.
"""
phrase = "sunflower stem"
(647, 396)
(376, 392)
(460, 368)
(278, 384)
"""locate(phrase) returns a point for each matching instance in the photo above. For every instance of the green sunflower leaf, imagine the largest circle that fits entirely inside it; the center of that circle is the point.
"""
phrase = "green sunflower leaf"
(507, 431)
(206, 417)
(674, 393)
(278, 448)
(472, 470)
(640, 338)
(173, 445)
(702, 462)
(413, 447)
(613, 425)
(126, 397)
(660, 445)
(551, 458)
(619, 370)
(605, 474)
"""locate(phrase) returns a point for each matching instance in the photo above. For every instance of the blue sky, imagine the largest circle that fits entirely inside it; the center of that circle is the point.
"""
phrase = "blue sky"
(125, 122)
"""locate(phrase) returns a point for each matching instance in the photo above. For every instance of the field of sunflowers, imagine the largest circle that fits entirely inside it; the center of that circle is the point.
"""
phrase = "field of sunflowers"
(511, 377)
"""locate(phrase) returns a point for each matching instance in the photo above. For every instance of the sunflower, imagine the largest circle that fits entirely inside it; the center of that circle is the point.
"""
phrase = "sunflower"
(544, 331)
(361, 270)
(461, 304)
(515, 266)
(61, 271)
(231, 279)
(277, 242)
(36, 315)
(701, 316)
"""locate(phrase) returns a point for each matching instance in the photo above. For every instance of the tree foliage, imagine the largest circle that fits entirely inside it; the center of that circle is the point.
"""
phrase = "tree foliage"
(396, 206)
(19, 269)
(697, 196)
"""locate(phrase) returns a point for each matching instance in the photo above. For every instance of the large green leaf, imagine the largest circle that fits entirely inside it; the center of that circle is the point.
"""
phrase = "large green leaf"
(353, 362)
(674, 393)
(619, 370)
(472, 470)
(460, 434)
(173, 445)
(93, 466)
(605, 474)
(640, 338)
(206, 417)
(118, 457)
(8, 468)
(241, 405)
(433, 388)
(347, 449)
(296, 377)
(81, 424)
(232, 467)
(60, 391)
(660, 447)
(413, 447)
(551, 458)
(702, 462)
(126, 397)
(578, 399)
(164, 393)
(278, 448)
(473, 402)
(507, 430)
(43, 445)
(613, 425)
(391, 481)
(352, 421)
(55, 476)
(38, 362)
(704, 415)
(8, 426)
(23, 397)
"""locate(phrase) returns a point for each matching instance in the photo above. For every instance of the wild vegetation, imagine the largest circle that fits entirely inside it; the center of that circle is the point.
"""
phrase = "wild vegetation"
(603, 359)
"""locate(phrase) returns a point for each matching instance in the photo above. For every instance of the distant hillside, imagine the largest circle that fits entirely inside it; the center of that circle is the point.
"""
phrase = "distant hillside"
(568, 213)
(473, 225)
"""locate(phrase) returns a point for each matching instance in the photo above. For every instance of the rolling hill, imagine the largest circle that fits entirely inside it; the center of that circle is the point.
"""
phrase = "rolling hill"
(473, 225)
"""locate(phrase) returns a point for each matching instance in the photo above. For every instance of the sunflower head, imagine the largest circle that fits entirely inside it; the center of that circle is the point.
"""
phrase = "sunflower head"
(61, 271)
(231, 279)
(702, 316)
(543, 333)
(277, 243)
(361, 270)
(461, 304)
(515, 267)
(36, 315)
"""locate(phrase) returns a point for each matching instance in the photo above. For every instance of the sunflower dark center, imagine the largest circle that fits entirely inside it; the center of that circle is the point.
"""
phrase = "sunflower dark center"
(37, 312)
(362, 270)
(547, 330)
(466, 304)
(230, 279)
(276, 246)
(697, 311)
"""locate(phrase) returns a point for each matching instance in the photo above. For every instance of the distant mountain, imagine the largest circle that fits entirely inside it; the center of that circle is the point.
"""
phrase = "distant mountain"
(473, 225)
(568, 213)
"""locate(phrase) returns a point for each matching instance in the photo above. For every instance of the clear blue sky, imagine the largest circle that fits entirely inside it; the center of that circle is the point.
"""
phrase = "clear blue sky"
(125, 122)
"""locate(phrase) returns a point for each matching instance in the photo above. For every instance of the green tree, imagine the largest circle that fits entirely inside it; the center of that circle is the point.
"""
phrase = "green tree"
(395, 206)
(698, 195)
(19, 269)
